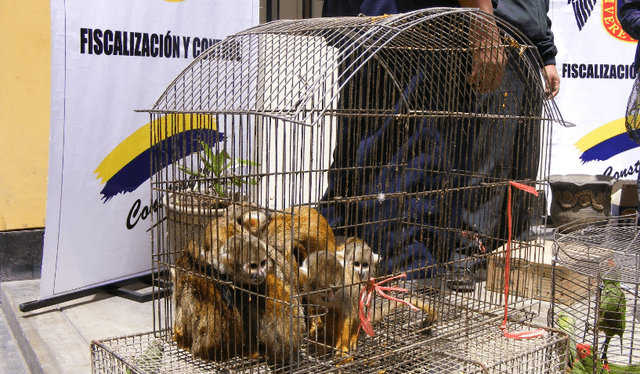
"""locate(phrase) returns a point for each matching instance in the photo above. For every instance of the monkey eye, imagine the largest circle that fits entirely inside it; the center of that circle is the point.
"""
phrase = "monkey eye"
(263, 263)
(356, 263)
(253, 266)
(365, 264)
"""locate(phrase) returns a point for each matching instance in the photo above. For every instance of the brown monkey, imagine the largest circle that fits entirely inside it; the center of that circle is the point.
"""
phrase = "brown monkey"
(292, 235)
(274, 310)
(356, 253)
(279, 320)
(255, 221)
(243, 258)
(300, 231)
(260, 315)
(206, 309)
(327, 284)
(207, 320)
(219, 230)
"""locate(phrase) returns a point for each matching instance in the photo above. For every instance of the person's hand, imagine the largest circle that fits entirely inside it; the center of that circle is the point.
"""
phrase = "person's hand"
(488, 55)
(552, 84)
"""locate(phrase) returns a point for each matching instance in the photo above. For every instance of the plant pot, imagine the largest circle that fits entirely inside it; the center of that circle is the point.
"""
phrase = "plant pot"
(579, 196)
(189, 213)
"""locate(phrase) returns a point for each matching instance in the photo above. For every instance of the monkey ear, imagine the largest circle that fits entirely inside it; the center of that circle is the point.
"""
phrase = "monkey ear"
(304, 270)
(305, 265)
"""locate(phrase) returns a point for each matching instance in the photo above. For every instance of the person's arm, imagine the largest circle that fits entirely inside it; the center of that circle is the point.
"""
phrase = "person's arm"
(488, 59)
(553, 80)
(480, 4)
(548, 52)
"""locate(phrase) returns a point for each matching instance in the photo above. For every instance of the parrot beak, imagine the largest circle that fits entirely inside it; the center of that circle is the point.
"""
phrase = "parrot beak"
(584, 350)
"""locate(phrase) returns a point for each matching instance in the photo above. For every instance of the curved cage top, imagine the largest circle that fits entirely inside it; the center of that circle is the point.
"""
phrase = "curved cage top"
(591, 246)
(296, 69)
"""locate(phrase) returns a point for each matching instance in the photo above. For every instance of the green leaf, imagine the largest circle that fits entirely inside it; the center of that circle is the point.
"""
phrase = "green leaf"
(237, 181)
(191, 171)
(220, 163)
(207, 156)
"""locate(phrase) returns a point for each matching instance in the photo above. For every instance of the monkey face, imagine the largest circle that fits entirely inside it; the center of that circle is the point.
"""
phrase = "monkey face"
(367, 266)
(357, 255)
(362, 268)
(245, 258)
(325, 297)
(254, 272)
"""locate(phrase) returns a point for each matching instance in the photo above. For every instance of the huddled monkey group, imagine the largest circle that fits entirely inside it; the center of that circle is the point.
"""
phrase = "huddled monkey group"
(259, 282)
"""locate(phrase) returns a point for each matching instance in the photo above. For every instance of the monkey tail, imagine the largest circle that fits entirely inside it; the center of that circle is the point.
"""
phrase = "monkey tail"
(427, 315)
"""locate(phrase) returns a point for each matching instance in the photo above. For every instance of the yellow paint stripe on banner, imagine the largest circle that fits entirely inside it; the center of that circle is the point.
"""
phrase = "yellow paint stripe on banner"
(602, 133)
(139, 141)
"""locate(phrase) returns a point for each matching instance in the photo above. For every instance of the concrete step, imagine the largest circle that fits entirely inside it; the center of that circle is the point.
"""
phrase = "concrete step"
(11, 360)
(57, 339)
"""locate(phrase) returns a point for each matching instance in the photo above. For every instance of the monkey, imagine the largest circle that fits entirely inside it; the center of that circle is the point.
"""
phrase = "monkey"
(280, 319)
(292, 235)
(221, 228)
(275, 309)
(207, 321)
(300, 231)
(201, 256)
(206, 309)
(257, 315)
(327, 285)
(255, 221)
(243, 258)
(356, 253)
(218, 231)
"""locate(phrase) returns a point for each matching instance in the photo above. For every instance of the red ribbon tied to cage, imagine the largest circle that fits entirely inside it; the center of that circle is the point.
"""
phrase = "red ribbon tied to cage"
(365, 299)
(507, 269)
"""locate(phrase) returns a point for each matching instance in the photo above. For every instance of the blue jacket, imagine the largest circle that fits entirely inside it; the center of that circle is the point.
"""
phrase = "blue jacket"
(629, 16)
(530, 17)
(413, 187)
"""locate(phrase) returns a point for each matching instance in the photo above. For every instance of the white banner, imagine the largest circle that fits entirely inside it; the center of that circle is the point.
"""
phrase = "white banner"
(594, 61)
(110, 58)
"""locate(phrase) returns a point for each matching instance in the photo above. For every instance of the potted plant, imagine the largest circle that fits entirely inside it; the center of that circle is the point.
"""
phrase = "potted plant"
(218, 171)
(214, 187)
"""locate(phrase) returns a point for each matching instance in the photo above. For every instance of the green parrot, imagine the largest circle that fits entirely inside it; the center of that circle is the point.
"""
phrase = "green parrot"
(584, 364)
(613, 310)
(567, 324)
(585, 360)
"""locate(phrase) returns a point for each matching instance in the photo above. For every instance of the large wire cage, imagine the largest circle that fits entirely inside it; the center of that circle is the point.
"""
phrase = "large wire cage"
(300, 164)
(598, 304)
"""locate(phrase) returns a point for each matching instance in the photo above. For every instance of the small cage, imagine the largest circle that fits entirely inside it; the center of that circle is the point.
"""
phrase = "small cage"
(595, 291)
(301, 165)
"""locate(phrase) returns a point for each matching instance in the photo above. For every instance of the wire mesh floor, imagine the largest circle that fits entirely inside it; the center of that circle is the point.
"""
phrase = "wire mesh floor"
(467, 339)
(585, 244)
